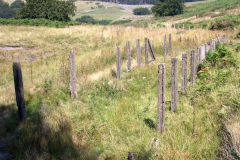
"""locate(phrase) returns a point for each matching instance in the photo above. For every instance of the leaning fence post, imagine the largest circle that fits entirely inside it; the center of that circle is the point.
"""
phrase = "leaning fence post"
(128, 56)
(138, 53)
(174, 84)
(165, 45)
(72, 71)
(161, 96)
(184, 73)
(146, 51)
(118, 63)
(170, 43)
(193, 67)
(19, 91)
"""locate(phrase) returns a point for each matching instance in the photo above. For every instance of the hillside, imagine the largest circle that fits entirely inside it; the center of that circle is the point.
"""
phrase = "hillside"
(111, 117)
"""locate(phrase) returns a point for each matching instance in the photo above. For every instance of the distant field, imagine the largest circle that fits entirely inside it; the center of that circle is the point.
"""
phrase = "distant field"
(102, 10)
(188, 4)
(99, 10)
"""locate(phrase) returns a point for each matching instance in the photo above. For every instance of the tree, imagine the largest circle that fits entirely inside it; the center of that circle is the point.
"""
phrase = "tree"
(17, 4)
(49, 9)
(5, 10)
(168, 7)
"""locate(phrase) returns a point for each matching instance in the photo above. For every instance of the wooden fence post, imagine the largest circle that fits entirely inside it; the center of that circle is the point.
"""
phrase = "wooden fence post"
(203, 54)
(118, 63)
(131, 156)
(19, 91)
(170, 43)
(151, 51)
(138, 53)
(193, 67)
(184, 72)
(183, 27)
(165, 45)
(72, 71)
(174, 84)
(146, 51)
(198, 55)
(161, 96)
(128, 56)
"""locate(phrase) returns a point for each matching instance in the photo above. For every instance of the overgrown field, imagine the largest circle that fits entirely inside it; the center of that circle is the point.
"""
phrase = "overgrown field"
(112, 117)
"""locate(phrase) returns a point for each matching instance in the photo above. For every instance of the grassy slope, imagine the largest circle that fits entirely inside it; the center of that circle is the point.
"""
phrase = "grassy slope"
(110, 11)
(110, 117)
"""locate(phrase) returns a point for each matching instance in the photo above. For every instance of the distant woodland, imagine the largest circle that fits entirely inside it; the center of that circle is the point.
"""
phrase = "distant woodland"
(136, 2)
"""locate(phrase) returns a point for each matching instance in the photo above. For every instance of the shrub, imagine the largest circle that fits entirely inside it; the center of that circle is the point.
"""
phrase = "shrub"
(222, 24)
(122, 21)
(141, 11)
(222, 55)
(48, 9)
(86, 19)
(168, 7)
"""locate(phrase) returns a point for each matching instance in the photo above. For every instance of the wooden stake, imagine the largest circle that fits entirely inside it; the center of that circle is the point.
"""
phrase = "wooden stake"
(19, 91)
(174, 84)
(161, 96)
(118, 58)
(138, 53)
(184, 73)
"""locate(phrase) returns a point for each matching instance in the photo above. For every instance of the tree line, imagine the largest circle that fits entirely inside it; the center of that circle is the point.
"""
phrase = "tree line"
(138, 2)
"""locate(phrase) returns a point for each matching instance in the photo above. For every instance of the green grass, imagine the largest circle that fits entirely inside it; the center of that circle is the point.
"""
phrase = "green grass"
(203, 8)
(113, 117)
(109, 13)
(36, 22)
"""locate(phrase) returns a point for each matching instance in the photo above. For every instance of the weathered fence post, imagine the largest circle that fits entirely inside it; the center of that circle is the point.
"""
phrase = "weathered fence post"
(206, 50)
(118, 63)
(131, 156)
(151, 51)
(128, 56)
(72, 71)
(170, 43)
(165, 44)
(189, 28)
(198, 54)
(138, 53)
(183, 27)
(203, 54)
(19, 91)
(193, 67)
(146, 51)
(184, 73)
(174, 84)
(161, 96)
